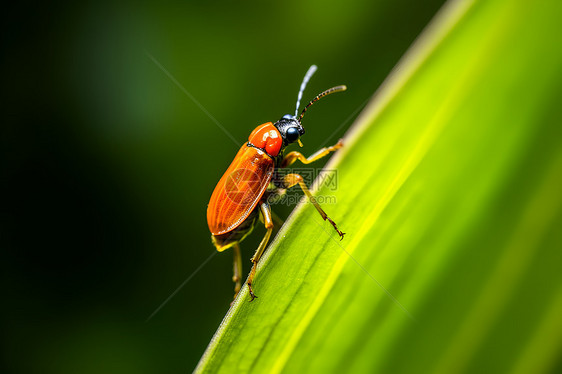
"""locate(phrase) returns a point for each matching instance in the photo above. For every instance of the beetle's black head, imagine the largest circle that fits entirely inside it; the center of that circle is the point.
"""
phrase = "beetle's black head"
(290, 128)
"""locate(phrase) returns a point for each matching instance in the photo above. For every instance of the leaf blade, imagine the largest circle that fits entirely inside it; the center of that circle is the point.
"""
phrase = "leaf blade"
(456, 134)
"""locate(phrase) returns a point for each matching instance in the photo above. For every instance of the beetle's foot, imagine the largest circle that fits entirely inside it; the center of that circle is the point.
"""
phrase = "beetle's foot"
(340, 233)
(252, 295)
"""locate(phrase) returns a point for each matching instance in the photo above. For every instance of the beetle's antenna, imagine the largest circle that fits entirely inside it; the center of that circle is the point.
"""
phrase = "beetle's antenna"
(325, 93)
(309, 73)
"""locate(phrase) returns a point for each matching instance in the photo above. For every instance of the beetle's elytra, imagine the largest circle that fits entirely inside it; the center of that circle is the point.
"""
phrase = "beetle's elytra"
(242, 194)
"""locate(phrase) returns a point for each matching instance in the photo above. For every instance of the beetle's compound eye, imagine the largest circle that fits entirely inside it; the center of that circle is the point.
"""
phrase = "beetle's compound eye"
(288, 116)
(292, 134)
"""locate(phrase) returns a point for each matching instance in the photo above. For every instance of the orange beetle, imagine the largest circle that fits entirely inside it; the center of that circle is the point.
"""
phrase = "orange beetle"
(243, 193)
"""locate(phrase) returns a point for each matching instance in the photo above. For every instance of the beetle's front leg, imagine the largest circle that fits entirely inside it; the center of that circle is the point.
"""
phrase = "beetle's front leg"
(293, 156)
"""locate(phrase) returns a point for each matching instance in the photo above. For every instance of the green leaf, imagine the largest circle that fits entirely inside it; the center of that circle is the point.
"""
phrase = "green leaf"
(450, 192)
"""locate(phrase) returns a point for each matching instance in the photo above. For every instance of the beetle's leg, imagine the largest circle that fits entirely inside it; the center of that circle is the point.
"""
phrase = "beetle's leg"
(293, 156)
(291, 179)
(274, 194)
(277, 221)
(237, 277)
(268, 222)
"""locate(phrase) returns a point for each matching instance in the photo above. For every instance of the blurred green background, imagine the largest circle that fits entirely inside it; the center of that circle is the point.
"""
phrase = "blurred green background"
(107, 166)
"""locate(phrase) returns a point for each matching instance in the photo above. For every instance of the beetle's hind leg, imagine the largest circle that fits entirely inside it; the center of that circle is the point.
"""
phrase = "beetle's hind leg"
(237, 269)
(268, 222)
(292, 179)
(233, 239)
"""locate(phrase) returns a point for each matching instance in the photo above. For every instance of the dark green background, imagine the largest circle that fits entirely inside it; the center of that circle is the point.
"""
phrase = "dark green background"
(107, 166)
